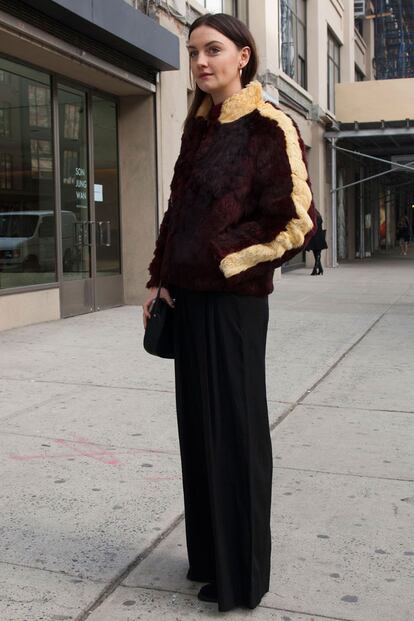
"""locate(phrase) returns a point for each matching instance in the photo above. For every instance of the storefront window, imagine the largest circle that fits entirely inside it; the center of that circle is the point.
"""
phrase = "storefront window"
(27, 205)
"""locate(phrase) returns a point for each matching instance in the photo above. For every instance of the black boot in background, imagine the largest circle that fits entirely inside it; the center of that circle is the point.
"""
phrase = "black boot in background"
(314, 272)
(319, 264)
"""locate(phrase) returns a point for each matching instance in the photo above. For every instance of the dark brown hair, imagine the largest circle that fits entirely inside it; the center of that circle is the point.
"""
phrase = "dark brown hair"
(237, 31)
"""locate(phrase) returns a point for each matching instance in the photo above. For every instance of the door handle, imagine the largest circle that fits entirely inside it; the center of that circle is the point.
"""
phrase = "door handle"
(87, 226)
(100, 234)
(102, 241)
(108, 233)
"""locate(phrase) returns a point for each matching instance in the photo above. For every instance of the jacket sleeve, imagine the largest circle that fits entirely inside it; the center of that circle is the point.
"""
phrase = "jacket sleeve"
(284, 219)
(156, 263)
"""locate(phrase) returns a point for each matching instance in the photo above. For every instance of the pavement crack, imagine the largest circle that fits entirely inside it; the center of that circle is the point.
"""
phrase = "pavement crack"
(59, 572)
(84, 384)
(30, 407)
(117, 581)
(343, 474)
(353, 407)
(312, 615)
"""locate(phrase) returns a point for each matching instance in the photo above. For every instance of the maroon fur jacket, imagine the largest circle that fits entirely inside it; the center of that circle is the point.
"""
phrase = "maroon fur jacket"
(241, 201)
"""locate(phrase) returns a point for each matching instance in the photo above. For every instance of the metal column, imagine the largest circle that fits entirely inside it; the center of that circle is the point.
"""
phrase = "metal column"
(361, 216)
(334, 243)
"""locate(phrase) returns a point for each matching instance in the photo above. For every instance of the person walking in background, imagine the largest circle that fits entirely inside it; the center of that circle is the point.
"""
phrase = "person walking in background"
(403, 234)
(317, 244)
(240, 206)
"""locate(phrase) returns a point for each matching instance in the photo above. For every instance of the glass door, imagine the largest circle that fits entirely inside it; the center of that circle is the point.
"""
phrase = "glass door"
(89, 214)
(76, 249)
(108, 280)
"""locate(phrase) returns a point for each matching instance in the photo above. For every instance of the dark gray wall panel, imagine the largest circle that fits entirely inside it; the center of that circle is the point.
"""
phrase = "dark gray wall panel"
(117, 25)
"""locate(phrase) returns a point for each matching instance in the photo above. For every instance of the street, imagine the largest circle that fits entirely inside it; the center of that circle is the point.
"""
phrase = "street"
(91, 499)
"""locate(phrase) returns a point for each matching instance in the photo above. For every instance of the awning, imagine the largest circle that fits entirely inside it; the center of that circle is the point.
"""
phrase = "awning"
(115, 24)
(386, 137)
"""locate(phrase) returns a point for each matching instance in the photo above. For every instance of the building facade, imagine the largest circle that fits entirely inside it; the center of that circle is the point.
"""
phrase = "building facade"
(93, 96)
(372, 136)
(78, 154)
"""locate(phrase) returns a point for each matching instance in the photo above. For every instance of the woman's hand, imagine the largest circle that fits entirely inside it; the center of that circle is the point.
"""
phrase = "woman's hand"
(146, 307)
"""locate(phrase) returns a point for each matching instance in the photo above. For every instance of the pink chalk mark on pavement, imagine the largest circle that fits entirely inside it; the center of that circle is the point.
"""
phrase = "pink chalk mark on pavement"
(87, 449)
(96, 452)
(82, 447)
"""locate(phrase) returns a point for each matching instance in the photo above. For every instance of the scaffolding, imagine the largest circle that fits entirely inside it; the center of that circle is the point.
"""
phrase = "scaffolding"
(394, 39)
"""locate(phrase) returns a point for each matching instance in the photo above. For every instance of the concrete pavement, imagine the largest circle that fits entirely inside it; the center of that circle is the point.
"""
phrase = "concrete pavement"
(91, 504)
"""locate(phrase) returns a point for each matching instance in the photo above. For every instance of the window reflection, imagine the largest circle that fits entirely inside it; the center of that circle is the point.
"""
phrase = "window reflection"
(106, 187)
(27, 201)
(72, 121)
(4, 119)
(39, 108)
(27, 248)
(293, 39)
(76, 239)
(5, 171)
(70, 164)
(42, 164)
(4, 76)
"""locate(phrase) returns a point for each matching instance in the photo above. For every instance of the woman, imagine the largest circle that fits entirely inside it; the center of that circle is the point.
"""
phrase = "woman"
(317, 244)
(240, 205)
(403, 234)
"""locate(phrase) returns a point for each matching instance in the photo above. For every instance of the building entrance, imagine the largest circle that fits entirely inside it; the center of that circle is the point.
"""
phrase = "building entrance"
(87, 186)
(374, 186)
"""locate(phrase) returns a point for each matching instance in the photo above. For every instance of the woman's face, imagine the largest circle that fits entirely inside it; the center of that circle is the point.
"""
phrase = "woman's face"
(215, 62)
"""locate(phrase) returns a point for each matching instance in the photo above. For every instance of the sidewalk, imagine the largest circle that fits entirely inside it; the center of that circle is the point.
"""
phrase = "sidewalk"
(91, 503)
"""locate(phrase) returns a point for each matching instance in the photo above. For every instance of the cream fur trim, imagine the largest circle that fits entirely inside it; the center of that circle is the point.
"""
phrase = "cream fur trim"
(241, 103)
(296, 229)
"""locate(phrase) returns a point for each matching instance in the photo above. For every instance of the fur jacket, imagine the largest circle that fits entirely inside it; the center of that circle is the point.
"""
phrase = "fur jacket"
(241, 201)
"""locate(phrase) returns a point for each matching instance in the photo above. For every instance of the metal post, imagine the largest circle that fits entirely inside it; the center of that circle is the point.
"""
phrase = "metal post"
(334, 243)
(361, 217)
(57, 186)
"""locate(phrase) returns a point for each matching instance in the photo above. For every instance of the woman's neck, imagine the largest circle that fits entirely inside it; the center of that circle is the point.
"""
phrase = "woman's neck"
(222, 95)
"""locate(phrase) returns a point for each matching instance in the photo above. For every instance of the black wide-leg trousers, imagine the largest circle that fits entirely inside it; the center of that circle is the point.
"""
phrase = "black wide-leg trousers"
(225, 443)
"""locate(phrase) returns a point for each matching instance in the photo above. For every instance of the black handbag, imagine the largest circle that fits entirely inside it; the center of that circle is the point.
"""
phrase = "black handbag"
(159, 333)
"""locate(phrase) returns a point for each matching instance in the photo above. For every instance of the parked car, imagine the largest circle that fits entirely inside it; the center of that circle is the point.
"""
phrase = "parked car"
(28, 240)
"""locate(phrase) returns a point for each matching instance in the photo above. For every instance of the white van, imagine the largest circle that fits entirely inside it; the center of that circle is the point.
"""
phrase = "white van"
(27, 240)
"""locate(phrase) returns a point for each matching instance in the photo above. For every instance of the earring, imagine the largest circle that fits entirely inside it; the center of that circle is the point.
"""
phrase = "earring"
(241, 71)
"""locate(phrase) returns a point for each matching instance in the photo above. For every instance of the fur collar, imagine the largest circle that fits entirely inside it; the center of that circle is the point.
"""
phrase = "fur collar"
(234, 107)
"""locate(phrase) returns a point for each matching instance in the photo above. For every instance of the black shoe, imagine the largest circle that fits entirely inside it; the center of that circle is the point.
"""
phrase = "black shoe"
(195, 578)
(320, 271)
(208, 593)
(314, 272)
